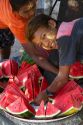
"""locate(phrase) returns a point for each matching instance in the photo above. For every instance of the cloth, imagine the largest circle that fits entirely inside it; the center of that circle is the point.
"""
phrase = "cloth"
(12, 20)
(70, 42)
(6, 38)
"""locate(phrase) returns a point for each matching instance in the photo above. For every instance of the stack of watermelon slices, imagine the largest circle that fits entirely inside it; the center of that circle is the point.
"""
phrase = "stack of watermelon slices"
(26, 78)
(25, 83)
(14, 101)
(30, 81)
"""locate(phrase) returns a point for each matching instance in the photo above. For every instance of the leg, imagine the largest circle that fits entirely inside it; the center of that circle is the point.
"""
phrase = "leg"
(5, 53)
(6, 41)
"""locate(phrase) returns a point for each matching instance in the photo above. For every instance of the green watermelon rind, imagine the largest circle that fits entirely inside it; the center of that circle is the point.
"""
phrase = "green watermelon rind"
(76, 77)
(40, 117)
(1, 108)
(23, 88)
(70, 111)
(25, 113)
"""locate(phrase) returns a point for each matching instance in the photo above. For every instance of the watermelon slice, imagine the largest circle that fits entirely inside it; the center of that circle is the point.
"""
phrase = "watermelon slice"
(23, 68)
(51, 110)
(13, 89)
(21, 108)
(35, 75)
(29, 90)
(40, 113)
(68, 104)
(70, 88)
(71, 85)
(21, 80)
(10, 68)
(76, 70)
(77, 93)
(6, 100)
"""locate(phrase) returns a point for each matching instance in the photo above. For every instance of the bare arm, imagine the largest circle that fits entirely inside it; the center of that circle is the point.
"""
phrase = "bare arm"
(40, 60)
(60, 80)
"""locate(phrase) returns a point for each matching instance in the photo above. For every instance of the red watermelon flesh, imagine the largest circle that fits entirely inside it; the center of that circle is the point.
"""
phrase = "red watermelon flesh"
(51, 110)
(77, 93)
(36, 70)
(6, 100)
(34, 84)
(40, 113)
(76, 70)
(71, 88)
(14, 67)
(35, 75)
(2, 95)
(23, 68)
(68, 104)
(13, 89)
(21, 108)
(29, 90)
(21, 79)
(71, 85)
(10, 68)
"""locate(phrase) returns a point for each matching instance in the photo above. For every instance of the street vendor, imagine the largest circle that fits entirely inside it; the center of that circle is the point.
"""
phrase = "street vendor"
(67, 38)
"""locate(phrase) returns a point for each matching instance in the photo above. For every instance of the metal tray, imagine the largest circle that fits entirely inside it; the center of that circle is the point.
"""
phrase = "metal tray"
(8, 115)
(74, 119)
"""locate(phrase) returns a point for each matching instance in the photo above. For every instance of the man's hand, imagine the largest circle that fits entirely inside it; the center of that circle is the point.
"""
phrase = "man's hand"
(42, 96)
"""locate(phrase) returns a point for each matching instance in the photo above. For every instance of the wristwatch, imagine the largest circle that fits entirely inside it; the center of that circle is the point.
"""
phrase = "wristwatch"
(48, 93)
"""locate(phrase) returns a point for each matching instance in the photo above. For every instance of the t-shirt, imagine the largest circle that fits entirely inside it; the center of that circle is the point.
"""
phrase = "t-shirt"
(70, 42)
(12, 20)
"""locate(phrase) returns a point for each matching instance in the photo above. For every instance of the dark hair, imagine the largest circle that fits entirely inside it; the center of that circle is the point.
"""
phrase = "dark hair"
(17, 4)
(36, 22)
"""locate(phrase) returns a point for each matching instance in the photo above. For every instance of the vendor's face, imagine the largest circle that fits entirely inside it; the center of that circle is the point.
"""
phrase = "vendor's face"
(28, 10)
(45, 38)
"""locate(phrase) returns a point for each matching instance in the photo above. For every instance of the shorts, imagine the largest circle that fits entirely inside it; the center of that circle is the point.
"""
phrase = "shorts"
(6, 38)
